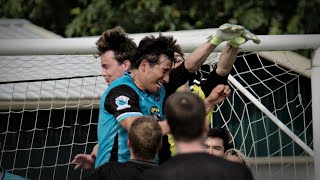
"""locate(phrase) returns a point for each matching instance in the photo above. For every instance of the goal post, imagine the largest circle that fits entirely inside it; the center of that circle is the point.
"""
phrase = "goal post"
(274, 119)
(52, 97)
(315, 83)
(189, 40)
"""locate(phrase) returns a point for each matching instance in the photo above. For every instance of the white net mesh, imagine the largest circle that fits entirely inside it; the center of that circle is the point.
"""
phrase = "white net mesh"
(286, 93)
(49, 109)
(48, 113)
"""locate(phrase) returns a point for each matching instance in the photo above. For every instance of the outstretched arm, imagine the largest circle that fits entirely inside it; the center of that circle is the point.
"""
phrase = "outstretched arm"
(225, 32)
(230, 51)
(227, 57)
(198, 56)
(226, 60)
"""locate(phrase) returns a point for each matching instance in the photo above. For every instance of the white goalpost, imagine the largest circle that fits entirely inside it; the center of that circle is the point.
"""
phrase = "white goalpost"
(50, 91)
(315, 81)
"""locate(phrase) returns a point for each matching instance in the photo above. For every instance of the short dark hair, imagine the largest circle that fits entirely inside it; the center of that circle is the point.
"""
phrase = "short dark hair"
(151, 48)
(185, 113)
(118, 41)
(145, 136)
(221, 133)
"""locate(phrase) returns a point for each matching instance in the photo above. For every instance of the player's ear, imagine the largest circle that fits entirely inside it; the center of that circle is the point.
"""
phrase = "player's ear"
(127, 64)
(144, 63)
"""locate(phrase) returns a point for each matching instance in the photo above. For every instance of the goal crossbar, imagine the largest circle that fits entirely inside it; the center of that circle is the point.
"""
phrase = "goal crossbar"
(189, 40)
(73, 46)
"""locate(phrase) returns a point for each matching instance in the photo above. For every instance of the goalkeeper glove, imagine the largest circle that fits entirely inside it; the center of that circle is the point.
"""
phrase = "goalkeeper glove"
(244, 37)
(226, 32)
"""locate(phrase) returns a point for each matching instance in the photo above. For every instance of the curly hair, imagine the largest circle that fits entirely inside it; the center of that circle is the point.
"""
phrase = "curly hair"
(118, 41)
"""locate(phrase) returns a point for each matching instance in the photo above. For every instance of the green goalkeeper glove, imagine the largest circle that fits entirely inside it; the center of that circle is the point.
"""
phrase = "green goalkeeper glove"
(226, 32)
(244, 37)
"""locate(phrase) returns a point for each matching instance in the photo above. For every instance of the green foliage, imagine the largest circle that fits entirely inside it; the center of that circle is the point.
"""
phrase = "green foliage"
(252, 18)
(73, 18)
(11, 9)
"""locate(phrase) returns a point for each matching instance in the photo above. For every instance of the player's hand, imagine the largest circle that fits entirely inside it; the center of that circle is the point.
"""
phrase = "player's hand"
(84, 161)
(250, 36)
(226, 32)
(243, 38)
(219, 94)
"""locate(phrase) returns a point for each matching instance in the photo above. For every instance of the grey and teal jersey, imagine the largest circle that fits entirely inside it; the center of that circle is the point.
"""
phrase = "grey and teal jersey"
(121, 100)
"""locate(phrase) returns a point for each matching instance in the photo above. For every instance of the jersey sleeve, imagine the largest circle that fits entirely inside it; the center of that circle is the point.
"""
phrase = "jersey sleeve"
(122, 101)
(178, 76)
(213, 79)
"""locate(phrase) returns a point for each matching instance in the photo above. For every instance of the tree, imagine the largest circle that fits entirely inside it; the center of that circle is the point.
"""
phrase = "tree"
(91, 17)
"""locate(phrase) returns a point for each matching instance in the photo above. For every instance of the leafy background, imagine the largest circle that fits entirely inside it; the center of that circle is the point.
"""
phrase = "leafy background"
(74, 18)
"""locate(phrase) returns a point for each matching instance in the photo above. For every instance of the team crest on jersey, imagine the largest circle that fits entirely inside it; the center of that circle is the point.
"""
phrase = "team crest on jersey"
(155, 112)
(122, 102)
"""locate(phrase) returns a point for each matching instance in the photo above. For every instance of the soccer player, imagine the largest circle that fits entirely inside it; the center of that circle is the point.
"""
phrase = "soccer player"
(186, 116)
(179, 75)
(144, 142)
(235, 35)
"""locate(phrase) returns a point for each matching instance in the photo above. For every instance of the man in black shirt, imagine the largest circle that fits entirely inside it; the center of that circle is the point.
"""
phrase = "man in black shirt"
(144, 142)
(185, 113)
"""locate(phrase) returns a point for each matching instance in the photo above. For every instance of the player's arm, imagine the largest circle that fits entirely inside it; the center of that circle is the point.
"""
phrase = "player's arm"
(185, 71)
(164, 126)
(195, 60)
(123, 102)
(226, 60)
(236, 35)
(213, 80)
(217, 95)
(85, 161)
(225, 32)
(95, 151)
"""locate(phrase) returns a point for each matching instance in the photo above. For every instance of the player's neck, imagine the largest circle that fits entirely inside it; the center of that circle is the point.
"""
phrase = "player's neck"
(133, 157)
(189, 147)
(136, 76)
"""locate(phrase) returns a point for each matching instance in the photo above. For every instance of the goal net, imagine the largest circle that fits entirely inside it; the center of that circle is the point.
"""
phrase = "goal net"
(49, 110)
(269, 112)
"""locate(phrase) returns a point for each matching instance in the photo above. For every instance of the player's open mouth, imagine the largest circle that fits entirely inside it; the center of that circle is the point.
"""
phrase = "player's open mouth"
(160, 84)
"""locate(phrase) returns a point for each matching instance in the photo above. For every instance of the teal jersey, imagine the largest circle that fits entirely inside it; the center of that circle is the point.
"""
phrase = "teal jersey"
(121, 100)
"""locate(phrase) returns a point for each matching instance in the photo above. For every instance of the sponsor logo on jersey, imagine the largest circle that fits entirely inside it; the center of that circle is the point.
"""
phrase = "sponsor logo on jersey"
(122, 102)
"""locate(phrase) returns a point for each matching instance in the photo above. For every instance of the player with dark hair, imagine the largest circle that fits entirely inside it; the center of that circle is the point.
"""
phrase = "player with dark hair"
(138, 92)
(217, 142)
(186, 116)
